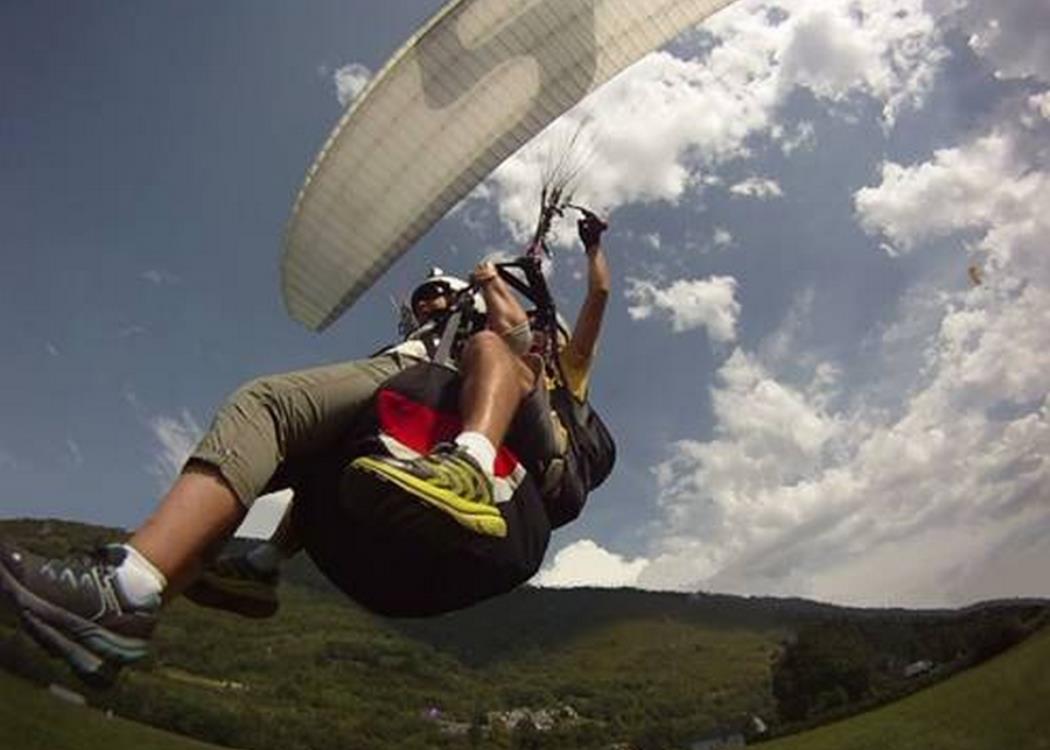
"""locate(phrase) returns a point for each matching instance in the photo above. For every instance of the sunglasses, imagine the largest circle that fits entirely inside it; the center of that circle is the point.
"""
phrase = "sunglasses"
(430, 292)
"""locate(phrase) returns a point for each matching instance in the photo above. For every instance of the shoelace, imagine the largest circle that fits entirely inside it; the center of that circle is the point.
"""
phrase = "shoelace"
(91, 570)
(461, 471)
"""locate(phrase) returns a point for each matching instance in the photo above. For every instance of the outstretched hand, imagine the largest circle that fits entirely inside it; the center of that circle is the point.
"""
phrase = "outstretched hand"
(590, 228)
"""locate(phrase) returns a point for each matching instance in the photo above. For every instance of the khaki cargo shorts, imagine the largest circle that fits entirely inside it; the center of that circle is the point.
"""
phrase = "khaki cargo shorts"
(277, 418)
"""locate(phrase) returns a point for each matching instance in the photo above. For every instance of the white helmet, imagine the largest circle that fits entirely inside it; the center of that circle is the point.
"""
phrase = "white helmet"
(436, 284)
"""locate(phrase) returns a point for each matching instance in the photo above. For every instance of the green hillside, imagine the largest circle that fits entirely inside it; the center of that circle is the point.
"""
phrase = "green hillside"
(1000, 704)
(33, 719)
(581, 668)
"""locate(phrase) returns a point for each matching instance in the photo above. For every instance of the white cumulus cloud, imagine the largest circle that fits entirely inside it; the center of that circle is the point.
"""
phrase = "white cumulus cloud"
(789, 498)
(988, 186)
(585, 563)
(689, 303)
(722, 237)
(657, 129)
(757, 187)
(890, 51)
(1040, 103)
(1013, 35)
(941, 498)
(350, 80)
(980, 184)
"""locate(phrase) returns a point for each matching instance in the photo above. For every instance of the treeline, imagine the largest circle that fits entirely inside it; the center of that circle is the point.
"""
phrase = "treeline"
(834, 667)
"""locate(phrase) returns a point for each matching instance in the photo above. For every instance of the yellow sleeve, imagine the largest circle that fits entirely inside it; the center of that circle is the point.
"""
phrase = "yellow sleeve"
(577, 369)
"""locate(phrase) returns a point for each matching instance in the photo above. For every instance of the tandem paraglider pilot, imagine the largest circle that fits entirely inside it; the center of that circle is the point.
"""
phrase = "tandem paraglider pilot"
(426, 478)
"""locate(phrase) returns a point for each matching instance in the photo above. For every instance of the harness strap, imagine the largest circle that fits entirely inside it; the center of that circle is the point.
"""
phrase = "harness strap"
(443, 355)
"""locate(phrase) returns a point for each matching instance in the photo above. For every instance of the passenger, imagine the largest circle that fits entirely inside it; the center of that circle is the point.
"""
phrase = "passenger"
(99, 612)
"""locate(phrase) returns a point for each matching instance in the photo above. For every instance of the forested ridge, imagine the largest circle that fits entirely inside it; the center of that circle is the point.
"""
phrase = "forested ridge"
(536, 668)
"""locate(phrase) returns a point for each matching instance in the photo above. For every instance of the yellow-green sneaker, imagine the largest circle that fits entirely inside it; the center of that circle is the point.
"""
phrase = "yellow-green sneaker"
(449, 479)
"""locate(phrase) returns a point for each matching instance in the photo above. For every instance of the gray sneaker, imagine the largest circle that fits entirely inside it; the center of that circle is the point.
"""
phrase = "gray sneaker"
(75, 609)
(242, 579)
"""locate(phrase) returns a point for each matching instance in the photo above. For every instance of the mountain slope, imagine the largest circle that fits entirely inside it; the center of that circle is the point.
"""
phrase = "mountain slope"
(1002, 703)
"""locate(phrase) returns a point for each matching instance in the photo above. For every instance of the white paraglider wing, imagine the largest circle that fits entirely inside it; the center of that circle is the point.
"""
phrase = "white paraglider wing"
(464, 93)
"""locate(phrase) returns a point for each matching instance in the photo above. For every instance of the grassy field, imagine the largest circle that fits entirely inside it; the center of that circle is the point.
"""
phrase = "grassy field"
(33, 719)
(1004, 703)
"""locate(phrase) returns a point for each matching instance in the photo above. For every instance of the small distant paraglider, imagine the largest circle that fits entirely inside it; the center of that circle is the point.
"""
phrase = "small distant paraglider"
(976, 274)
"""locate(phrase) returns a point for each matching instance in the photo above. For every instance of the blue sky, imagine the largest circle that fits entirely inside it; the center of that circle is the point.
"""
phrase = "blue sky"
(810, 394)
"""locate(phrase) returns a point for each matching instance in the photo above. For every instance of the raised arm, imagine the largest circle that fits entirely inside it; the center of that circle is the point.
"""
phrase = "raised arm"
(589, 320)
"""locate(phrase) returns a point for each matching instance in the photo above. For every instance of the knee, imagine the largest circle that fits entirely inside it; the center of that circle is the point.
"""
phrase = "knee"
(488, 352)
(487, 339)
(258, 391)
(486, 344)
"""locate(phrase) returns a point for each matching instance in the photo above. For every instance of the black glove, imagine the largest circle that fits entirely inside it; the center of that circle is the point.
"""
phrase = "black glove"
(590, 228)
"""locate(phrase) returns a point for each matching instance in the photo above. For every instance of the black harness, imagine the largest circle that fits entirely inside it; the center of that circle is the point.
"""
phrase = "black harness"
(591, 451)
(399, 556)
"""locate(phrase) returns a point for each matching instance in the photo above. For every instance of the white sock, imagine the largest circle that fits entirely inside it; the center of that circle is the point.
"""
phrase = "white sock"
(480, 448)
(139, 581)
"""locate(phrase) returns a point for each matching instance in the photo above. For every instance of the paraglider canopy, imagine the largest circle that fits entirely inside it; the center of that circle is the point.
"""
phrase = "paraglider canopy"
(466, 91)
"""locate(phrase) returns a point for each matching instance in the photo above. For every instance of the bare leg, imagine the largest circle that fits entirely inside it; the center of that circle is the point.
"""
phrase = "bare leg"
(495, 380)
(199, 510)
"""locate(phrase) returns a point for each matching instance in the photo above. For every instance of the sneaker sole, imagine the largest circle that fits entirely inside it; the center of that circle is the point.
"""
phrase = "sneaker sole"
(253, 600)
(46, 619)
(92, 669)
(483, 519)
